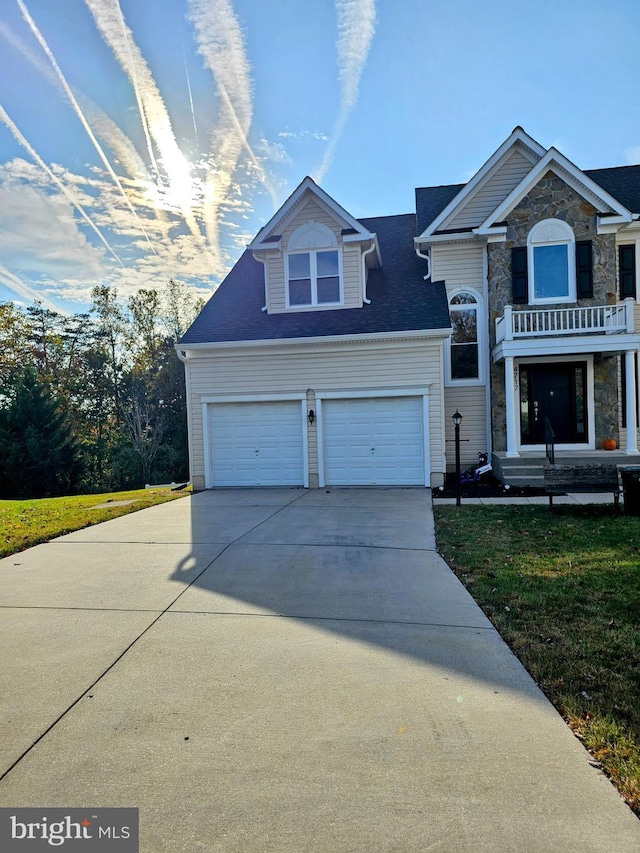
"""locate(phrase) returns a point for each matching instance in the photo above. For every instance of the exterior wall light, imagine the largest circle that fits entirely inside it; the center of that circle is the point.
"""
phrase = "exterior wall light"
(311, 416)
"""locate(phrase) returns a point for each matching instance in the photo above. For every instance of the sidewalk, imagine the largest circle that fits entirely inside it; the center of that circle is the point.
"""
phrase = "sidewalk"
(538, 500)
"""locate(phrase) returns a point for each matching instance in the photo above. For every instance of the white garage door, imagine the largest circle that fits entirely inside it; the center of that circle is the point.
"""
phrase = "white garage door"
(374, 442)
(256, 444)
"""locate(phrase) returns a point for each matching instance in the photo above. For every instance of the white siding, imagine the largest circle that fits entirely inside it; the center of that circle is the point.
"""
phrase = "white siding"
(351, 263)
(304, 370)
(458, 266)
(462, 266)
(470, 402)
(495, 189)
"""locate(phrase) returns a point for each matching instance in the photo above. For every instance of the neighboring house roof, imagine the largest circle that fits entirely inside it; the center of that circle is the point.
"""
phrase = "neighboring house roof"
(400, 298)
(431, 201)
(622, 182)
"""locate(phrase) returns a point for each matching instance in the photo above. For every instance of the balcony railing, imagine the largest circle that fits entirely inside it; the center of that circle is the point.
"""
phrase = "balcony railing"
(553, 322)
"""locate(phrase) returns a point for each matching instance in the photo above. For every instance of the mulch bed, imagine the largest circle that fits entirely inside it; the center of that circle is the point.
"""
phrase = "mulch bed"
(486, 487)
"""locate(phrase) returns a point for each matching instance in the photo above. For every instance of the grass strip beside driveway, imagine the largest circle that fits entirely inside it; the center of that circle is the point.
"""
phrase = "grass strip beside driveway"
(563, 590)
(31, 522)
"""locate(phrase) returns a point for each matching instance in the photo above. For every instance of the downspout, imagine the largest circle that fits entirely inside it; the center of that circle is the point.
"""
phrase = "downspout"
(427, 258)
(364, 273)
(187, 387)
(263, 261)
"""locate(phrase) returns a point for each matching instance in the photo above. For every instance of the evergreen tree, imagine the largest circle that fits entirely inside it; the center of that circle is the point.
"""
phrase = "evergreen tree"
(38, 454)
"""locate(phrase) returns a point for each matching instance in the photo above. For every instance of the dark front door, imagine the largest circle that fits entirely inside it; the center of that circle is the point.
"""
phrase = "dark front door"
(557, 392)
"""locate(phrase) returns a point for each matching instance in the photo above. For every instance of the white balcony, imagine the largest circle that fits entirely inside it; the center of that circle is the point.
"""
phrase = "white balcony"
(560, 322)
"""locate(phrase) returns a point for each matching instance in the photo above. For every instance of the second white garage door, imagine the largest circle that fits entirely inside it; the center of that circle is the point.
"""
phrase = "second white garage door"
(256, 444)
(374, 442)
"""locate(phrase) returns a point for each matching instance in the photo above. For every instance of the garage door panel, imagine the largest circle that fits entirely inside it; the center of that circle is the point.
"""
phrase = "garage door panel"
(374, 441)
(256, 444)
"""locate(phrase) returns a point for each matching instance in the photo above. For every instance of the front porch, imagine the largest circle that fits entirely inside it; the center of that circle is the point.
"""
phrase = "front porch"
(548, 357)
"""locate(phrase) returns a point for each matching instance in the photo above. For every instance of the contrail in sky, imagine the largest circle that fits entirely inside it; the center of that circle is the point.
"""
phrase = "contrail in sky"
(81, 116)
(153, 112)
(356, 28)
(4, 117)
(18, 286)
(221, 44)
(186, 74)
(105, 127)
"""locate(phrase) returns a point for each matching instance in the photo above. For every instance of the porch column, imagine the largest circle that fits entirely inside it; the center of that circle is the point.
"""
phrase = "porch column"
(511, 412)
(632, 404)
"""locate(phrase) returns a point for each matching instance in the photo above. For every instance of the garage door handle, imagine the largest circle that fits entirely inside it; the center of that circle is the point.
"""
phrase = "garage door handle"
(373, 450)
(257, 452)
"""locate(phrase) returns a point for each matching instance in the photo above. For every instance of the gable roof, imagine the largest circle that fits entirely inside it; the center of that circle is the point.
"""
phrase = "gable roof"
(400, 299)
(266, 238)
(556, 162)
(519, 141)
(622, 182)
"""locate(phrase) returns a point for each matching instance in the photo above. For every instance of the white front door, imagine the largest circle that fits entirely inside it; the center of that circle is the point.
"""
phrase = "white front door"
(256, 444)
(374, 441)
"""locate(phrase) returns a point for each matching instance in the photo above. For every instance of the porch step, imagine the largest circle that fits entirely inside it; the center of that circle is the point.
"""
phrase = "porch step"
(519, 471)
(528, 470)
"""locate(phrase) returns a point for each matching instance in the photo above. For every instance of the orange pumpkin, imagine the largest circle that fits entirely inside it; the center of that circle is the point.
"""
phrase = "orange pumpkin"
(609, 444)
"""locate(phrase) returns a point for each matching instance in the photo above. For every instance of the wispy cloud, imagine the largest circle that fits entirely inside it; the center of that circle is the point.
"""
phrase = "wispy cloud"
(220, 42)
(105, 128)
(356, 28)
(17, 285)
(171, 163)
(78, 111)
(18, 136)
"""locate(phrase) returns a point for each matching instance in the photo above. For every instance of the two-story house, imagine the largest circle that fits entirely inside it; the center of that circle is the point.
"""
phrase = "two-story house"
(336, 350)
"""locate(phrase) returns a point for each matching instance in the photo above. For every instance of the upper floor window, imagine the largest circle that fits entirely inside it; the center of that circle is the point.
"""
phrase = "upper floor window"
(313, 267)
(314, 278)
(464, 350)
(552, 262)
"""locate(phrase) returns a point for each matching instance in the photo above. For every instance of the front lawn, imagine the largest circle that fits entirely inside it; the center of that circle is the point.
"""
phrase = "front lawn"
(27, 523)
(563, 589)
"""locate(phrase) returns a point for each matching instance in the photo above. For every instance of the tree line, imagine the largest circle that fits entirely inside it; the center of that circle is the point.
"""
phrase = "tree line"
(95, 401)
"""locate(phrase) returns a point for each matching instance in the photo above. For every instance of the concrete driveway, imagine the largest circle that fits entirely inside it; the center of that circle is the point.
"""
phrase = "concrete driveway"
(282, 670)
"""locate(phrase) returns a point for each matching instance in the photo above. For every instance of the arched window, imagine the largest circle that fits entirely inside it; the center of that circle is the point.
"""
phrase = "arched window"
(313, 267)
(552, 262)
(464, 350)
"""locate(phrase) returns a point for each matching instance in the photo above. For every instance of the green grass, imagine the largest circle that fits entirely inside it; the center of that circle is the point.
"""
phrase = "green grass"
(27, 523)
(563, 589)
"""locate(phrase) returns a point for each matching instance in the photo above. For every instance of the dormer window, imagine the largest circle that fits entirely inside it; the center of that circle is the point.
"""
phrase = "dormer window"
(314, 278)
(313, 267)
(552, 262)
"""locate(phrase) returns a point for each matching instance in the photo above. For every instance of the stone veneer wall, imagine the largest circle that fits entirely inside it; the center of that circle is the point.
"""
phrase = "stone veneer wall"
(552, 198)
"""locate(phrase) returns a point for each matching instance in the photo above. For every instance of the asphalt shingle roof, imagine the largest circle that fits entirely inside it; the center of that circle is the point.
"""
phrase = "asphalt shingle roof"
(430, 201)
(400, 298)
(622, 182)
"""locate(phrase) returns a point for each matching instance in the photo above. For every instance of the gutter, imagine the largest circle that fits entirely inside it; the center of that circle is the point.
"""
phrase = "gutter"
(427, 258)
(364, 271)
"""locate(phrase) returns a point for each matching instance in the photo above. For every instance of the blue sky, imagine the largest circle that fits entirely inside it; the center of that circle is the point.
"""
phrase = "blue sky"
(147, 139)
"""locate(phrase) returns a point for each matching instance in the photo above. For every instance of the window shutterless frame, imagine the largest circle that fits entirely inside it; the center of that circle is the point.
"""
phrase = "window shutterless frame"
(313, 278)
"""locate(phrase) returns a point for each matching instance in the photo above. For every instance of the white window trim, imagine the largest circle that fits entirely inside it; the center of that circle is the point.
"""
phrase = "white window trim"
(372, 393)
(482, 343)
(313, 272)
(591, 403)
(570, 243)
(207, 401)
